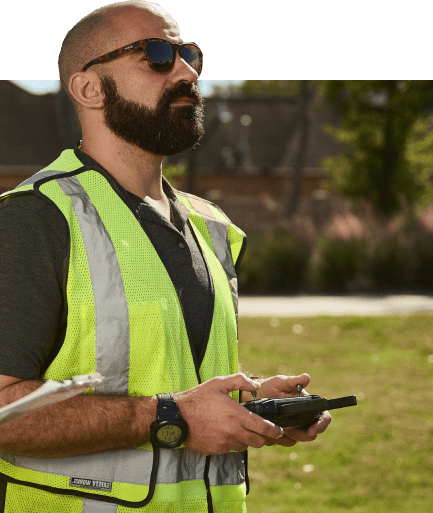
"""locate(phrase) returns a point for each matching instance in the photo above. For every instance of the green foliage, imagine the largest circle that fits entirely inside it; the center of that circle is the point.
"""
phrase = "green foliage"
(378, 118)
(250, 268)
(392, 265)
(374, 457)
(274, 264)
(419, 154)
(339, 266)
(422, 269)
(282, 264)
(387, 140)
(271, 87)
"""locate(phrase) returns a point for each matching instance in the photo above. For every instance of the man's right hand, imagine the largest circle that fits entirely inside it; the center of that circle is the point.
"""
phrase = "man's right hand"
(217, 423)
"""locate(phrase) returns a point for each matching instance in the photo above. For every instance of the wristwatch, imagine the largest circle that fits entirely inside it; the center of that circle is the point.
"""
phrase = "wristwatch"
(169, 429)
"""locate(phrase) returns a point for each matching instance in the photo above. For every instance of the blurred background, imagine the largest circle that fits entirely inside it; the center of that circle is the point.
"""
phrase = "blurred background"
(331, 180)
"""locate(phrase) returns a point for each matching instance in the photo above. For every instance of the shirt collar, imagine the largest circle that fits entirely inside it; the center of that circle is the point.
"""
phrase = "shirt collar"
(179, 209)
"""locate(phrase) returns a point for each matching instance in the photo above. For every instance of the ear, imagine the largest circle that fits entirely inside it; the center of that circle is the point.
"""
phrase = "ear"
(86, 88)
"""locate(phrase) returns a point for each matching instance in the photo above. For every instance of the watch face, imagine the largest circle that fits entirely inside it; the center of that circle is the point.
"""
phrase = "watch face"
(169, 433)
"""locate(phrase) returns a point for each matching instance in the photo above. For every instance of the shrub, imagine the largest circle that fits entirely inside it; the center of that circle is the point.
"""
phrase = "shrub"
(283, 264)
(248, 274)
(423, 271)
(274, 264)
(339, 265)
(392, 265)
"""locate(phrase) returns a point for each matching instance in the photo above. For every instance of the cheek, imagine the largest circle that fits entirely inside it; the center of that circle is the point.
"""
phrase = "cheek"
(141, 89)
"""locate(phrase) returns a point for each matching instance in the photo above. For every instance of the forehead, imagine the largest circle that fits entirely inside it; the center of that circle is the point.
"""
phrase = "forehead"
(132, 25)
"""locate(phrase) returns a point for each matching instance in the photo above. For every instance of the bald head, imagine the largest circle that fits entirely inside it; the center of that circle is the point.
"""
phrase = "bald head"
(100, 32)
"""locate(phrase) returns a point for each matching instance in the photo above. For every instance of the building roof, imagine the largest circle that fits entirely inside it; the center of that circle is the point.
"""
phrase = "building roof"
(28, 125)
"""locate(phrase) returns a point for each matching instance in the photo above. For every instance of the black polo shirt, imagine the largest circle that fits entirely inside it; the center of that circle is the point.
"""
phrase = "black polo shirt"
(33, 272)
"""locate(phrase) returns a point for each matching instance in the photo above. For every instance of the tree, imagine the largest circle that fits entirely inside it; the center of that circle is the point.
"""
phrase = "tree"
(378, 118)
(271, 87)
(292, 201)
(301, 89)
(419, 153)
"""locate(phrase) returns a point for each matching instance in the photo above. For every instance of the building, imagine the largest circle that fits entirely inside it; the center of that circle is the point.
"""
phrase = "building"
(245, 162)
(247, 158)
(34, 130)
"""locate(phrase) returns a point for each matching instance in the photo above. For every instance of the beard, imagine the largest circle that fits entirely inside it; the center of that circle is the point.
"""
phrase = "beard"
(163, 130)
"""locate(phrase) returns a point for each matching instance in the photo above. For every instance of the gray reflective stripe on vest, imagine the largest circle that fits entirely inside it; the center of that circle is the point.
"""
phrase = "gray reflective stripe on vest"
(111, 308)
(39, 176)
(225, 469)
(91, 506)
(219, 234)
(134, 466)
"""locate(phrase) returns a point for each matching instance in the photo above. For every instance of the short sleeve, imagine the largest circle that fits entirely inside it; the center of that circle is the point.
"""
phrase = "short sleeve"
(33, 236)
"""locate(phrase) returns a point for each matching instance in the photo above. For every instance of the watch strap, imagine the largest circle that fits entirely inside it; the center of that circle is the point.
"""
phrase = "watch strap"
(167, 408)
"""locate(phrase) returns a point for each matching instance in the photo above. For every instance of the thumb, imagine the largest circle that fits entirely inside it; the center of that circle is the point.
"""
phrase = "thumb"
(237, 382)
(292, 381)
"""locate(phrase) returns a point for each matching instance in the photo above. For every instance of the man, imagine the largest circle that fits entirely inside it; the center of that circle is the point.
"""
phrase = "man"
(108, 269)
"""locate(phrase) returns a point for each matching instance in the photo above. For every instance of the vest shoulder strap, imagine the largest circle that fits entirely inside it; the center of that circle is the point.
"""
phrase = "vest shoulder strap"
(217, 224)
(67, 162)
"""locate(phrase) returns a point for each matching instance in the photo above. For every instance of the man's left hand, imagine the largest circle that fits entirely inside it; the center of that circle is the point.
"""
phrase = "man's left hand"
(285, 386)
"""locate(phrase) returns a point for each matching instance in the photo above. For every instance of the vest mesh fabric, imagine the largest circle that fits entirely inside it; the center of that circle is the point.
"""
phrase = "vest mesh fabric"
(22, 499)
(160, 358)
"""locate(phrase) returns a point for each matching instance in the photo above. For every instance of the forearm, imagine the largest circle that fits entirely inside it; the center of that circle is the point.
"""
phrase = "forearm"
(80, 425)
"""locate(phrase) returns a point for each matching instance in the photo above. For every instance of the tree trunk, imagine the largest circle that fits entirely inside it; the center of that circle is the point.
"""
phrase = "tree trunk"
(391, 155)
(292, 203)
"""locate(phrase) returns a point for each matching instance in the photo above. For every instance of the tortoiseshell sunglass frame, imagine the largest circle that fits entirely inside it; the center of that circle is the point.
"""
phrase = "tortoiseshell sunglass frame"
(141, 44)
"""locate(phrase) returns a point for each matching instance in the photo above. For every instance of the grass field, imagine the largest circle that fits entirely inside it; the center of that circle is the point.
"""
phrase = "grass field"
(375, 457)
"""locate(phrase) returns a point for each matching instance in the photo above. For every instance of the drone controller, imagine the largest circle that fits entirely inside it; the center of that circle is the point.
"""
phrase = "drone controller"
(300, 411)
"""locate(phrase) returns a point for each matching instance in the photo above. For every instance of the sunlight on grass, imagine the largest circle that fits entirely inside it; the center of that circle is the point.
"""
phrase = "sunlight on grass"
(375, 457)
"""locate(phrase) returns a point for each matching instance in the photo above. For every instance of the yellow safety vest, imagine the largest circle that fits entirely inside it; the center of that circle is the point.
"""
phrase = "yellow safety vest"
(125, 321)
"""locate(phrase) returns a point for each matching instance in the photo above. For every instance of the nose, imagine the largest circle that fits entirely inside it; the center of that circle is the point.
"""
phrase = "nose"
(182, 71)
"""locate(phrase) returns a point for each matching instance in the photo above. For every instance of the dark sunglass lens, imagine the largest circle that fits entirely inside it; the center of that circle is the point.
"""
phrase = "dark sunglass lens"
(191, 55)
(160, 55)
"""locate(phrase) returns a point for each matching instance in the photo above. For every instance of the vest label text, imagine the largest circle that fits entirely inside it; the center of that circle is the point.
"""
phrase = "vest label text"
(91, 484)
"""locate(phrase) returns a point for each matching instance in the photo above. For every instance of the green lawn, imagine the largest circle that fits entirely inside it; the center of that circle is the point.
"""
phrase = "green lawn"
(375, 457)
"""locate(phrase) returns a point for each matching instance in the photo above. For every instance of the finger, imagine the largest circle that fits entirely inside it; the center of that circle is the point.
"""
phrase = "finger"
(292, 381)
(241, 441)
(263, 427)
(299, 434)
(321, 424)
(252, 439)
(234, 382)
(235, 446)
(285, 441)
(286, 385)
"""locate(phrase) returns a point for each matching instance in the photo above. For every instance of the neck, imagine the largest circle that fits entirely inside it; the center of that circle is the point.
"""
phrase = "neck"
(138, 171)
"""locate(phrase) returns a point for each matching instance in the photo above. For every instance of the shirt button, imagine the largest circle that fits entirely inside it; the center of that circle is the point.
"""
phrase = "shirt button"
(181, 245)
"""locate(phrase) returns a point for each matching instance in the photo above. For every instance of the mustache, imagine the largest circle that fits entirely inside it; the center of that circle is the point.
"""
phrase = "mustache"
(182, 90)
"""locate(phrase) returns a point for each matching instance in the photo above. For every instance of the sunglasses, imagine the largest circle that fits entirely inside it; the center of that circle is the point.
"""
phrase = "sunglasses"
(160, 54)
